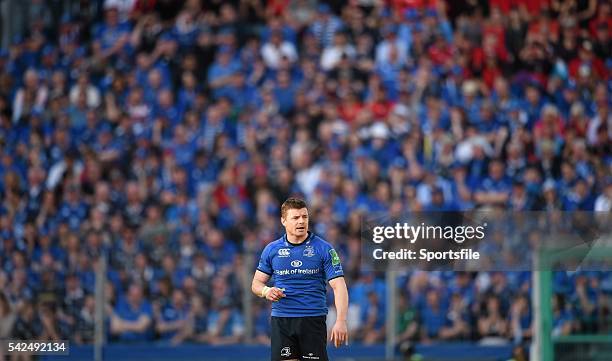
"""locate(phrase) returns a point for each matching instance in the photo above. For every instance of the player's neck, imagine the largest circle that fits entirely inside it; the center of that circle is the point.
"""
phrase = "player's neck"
(295, 240)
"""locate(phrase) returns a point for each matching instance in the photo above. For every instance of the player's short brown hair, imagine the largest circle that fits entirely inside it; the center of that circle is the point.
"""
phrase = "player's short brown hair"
(292, 203)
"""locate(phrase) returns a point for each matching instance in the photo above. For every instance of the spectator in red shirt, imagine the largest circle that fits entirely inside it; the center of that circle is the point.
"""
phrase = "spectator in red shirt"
(587, 65)
(350, 107)
(604, 16)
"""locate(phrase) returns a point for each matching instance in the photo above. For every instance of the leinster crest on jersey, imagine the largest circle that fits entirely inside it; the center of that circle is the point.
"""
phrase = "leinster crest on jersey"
(308, 251)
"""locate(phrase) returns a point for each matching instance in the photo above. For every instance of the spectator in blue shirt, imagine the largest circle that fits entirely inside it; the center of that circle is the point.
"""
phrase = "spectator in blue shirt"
(221, 72)
(457, 325)
(111, 37)
(132, 317)
(262, 323)
(579, 198)
(563, 319)
(494, 189)
(372, 329)
(172, 317)
(325, 25)
(284, 92)
(433, 317)
(73, 210)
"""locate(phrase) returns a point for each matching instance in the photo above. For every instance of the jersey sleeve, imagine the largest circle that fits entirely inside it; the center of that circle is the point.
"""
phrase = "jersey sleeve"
(265, 261)
(331, 264)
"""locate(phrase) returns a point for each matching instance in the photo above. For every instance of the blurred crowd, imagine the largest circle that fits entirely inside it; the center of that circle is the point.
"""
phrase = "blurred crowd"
(165, 134)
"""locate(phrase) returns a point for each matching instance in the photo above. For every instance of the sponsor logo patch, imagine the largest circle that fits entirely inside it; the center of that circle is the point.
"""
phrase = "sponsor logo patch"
(296, 263)
(284, 252)
(334, 257)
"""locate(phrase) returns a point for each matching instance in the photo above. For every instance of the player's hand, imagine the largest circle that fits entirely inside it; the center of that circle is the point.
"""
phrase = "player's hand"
(339, 334)
(275, 294)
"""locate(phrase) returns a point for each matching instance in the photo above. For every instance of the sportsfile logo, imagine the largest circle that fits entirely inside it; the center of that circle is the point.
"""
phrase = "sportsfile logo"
(411, 233)
(284, 252)
(285, 351)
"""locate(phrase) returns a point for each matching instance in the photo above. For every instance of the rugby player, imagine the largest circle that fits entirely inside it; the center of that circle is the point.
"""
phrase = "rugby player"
(302, 264)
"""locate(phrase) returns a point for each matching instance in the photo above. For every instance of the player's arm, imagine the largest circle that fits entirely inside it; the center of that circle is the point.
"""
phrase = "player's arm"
(339, 334)
(259, 288)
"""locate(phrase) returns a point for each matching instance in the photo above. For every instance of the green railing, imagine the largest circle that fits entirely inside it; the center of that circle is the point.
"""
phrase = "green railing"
(587, 347)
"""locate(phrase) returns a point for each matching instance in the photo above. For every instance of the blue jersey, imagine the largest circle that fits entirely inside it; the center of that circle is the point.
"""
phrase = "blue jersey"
(303, 272)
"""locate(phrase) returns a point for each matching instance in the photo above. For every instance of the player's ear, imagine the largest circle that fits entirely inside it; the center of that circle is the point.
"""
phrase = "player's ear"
(283, 220)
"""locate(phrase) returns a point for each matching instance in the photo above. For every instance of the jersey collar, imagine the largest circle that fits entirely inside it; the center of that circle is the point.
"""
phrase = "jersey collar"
(306, 241)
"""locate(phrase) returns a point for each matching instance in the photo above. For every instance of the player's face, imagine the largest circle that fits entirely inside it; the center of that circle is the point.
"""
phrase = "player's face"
(296, 222)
